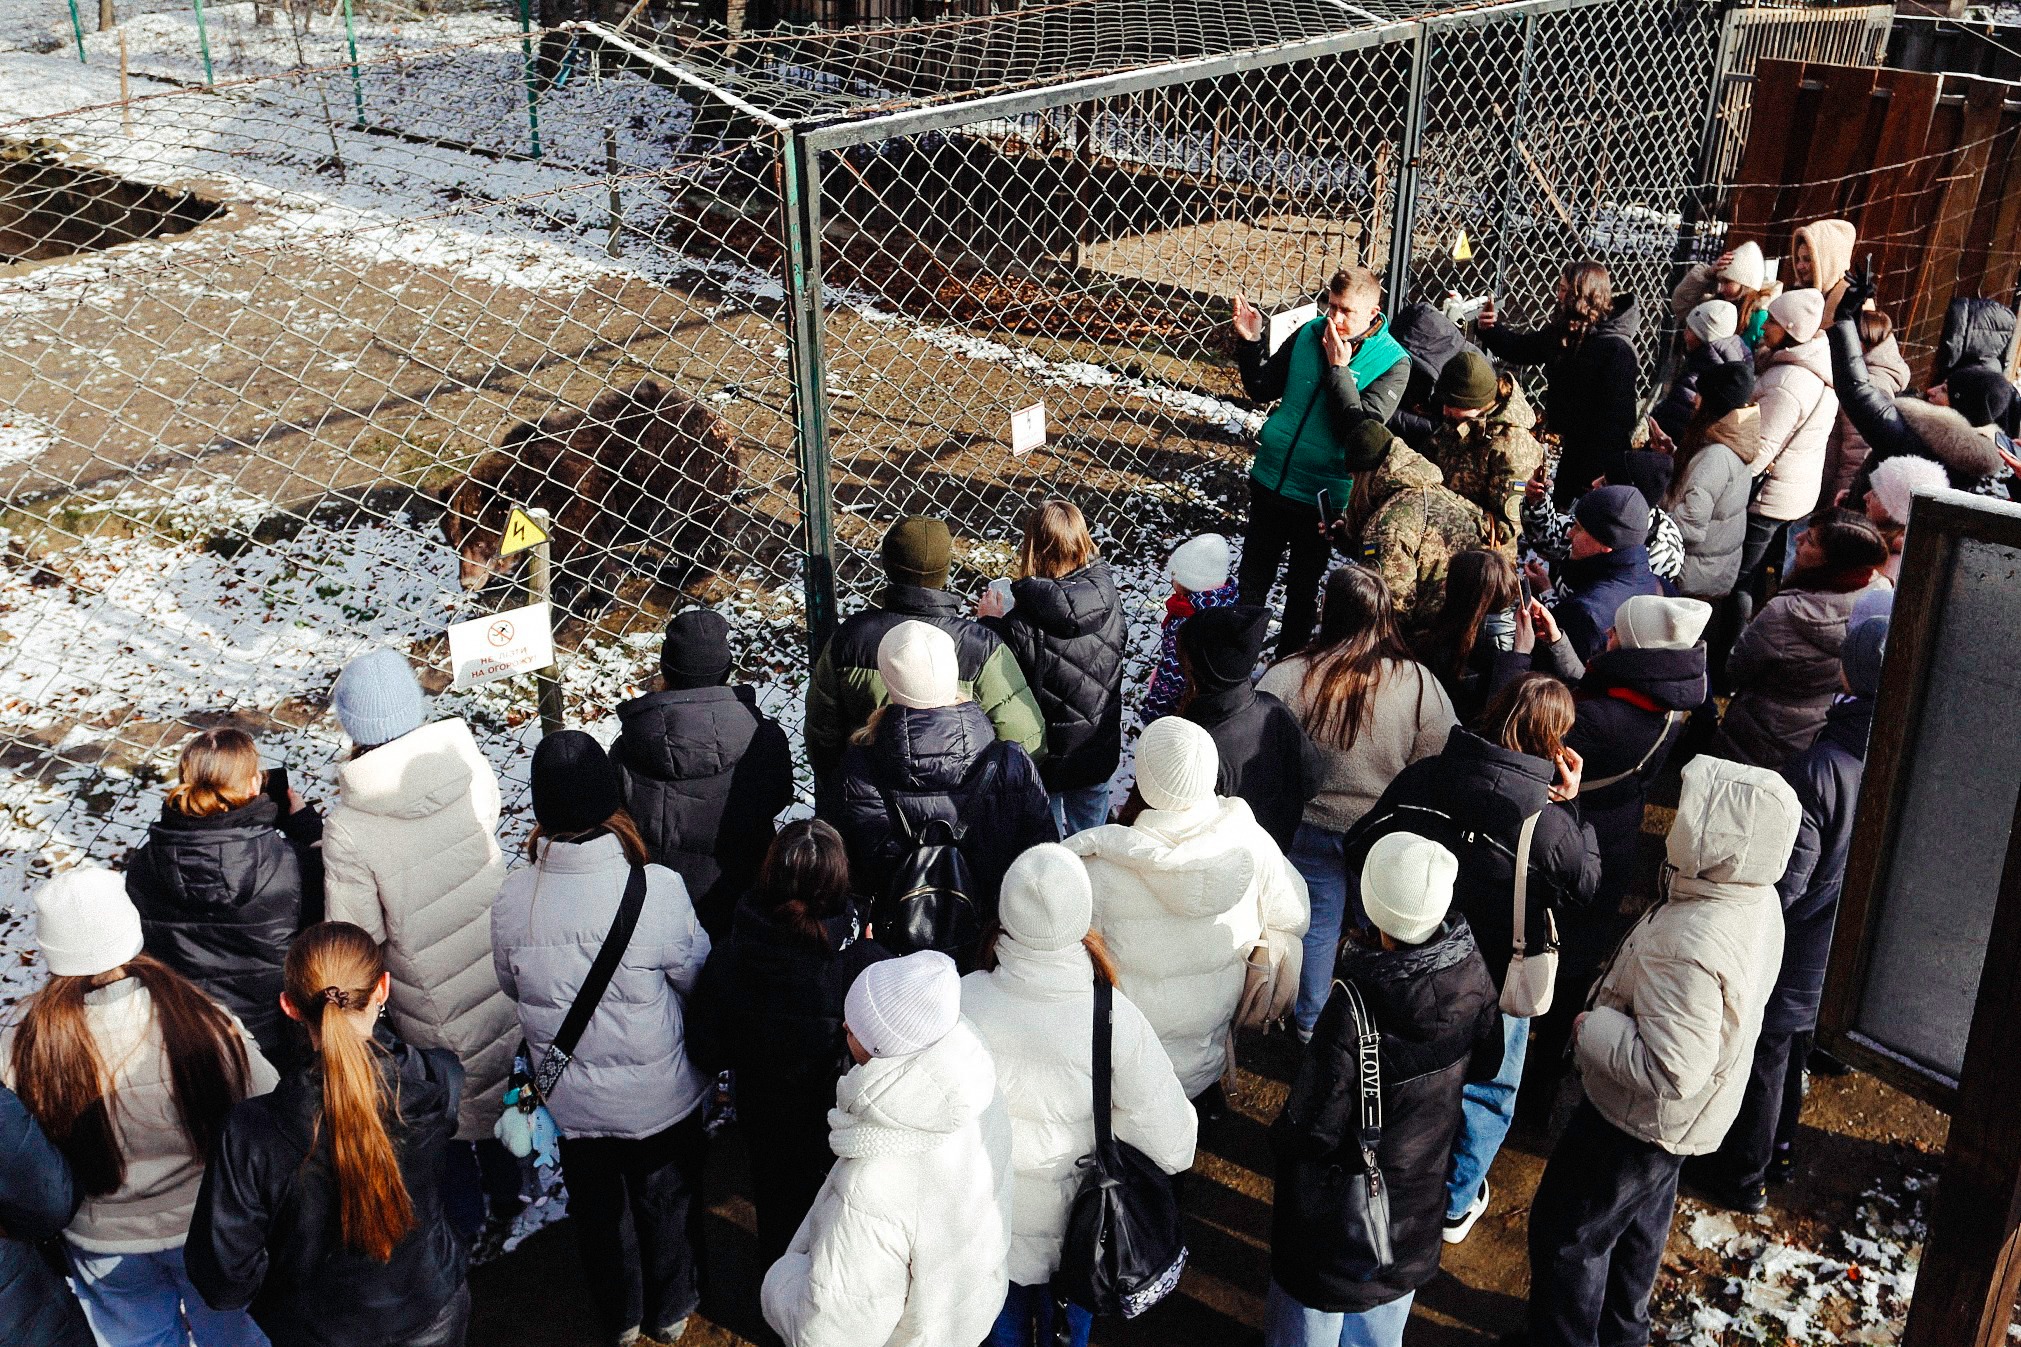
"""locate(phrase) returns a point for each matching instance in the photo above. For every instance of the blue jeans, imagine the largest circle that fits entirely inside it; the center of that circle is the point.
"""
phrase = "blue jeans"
(145, 1300)
(1316, 853)
(1486, 1109)
(1076, 811)
(1286, 1323)
(1030, 1308)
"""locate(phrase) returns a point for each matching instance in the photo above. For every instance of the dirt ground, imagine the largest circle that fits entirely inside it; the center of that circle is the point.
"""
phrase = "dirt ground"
(1856, 1132)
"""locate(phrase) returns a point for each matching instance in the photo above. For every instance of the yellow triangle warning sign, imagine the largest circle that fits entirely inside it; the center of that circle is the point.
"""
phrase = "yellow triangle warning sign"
(521, 533)
(1463, 250)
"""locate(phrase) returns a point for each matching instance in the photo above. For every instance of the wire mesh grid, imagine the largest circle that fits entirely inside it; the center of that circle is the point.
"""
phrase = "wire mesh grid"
(256, 329)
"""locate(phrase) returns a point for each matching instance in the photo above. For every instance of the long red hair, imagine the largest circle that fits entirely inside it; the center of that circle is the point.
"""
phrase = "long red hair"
(336, 964)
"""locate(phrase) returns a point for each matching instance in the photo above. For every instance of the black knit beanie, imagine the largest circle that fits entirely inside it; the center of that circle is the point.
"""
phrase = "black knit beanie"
(575, 787)
(696, 653)
(1222, 644)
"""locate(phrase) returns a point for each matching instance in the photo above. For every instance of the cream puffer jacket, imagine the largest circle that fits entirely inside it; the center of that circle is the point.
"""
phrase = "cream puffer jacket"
(1180, 897)
(1036, 1010)
(908, 1240)
(1798, 410)
(150, 1211)
(411, 855)
(1666, 1049)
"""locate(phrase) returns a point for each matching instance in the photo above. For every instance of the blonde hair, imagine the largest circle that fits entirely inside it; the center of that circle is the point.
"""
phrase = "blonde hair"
(218, 772)
(1056, 541)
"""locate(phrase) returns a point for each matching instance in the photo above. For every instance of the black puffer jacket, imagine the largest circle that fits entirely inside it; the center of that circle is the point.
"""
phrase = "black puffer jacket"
(1267, 759)
(1472, 799)
(1976, 332)
(266, 1234)
(1434, 1006)
(1827, 780)
(1894, 425)
(219, 900)
(769, 1007)
(1591, 395)
(939, 763)
(1432, 339)
(37, 1199)
(1069, 636)
(704, 773)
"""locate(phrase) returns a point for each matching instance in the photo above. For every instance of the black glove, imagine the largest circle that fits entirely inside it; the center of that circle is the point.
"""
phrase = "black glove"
(1859, 289)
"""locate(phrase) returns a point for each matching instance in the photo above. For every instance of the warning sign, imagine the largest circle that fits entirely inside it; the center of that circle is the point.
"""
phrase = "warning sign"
(1282, 325)
(520, 533)
(1028, 428)
(486, 649)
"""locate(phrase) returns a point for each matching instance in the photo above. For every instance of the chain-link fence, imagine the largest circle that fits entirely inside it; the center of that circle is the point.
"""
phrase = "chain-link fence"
(724, 302)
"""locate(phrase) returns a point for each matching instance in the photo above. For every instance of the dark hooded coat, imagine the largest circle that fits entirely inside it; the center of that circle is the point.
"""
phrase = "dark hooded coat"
(1266, 757)
(1069, 637)
(1590, 400)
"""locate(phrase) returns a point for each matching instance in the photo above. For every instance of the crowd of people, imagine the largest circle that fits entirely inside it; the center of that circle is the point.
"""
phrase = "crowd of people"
(286, 1066)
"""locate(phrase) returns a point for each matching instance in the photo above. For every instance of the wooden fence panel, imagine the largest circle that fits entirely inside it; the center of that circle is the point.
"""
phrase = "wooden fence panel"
(1890, 207)
(1957, 202)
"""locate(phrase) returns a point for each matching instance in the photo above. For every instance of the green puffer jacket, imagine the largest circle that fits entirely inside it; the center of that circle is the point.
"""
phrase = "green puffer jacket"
(846, 687)
(1302, 447)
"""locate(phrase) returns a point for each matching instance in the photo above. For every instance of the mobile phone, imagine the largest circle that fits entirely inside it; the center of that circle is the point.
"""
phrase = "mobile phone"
(275, 787)
(1324, 498)
(1523, 587)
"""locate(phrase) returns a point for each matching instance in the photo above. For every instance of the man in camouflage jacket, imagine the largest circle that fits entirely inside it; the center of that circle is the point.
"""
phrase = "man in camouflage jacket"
(1412, 524)
(1484, 446)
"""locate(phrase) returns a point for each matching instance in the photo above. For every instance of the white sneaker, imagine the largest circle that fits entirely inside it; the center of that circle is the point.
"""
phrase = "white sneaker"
(1458, 1227)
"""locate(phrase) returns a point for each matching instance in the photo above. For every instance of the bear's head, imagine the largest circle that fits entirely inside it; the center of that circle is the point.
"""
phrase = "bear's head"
(474, 517)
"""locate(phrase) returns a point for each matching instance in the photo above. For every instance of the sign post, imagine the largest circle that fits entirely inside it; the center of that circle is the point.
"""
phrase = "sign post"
(539, 589)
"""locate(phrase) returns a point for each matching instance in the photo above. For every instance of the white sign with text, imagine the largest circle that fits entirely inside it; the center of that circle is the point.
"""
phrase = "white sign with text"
(1028, 428)
(486, 649)
(1282, 325)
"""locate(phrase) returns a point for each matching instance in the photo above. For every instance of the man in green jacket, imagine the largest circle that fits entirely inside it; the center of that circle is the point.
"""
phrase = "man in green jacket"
(846, 687)
(1338, 370)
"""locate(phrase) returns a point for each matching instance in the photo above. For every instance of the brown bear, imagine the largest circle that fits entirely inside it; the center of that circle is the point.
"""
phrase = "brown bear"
(645, 469)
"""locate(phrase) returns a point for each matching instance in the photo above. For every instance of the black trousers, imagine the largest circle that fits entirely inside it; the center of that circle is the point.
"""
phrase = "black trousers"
(1760, 552)
(1278, 524)
(1598, 1223)
(1769, 1111)
(637, 1208)
(789, 1162)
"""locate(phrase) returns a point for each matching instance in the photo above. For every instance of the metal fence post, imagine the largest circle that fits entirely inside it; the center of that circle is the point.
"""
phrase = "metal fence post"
(1403, 221)
(357, 80)
(77, 28)
(1514, 164)
(527, 70)
(203, 37)
(800, 210)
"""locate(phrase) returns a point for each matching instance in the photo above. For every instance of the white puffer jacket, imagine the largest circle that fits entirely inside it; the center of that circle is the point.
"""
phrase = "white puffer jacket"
(1793, 388)
(908, 1240)
(411, 854)
(1180, 896)
(630, 1075)
(1665, 1051)
(151, 1209)
(1036, 1010)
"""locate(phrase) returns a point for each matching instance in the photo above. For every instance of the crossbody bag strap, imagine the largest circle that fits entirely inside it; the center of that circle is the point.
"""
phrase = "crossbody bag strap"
(1368, 1067)
(591, 993)
(1670, 719)
(1105, 996)
(1522, 913)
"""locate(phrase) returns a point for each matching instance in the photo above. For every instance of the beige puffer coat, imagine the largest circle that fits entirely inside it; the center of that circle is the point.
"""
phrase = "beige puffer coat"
(411, 855)
(1798, 409)
(1665, 1051)
(1180, 896)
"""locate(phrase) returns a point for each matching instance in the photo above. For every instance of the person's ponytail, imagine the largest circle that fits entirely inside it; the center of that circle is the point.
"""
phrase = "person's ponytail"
(336, 966)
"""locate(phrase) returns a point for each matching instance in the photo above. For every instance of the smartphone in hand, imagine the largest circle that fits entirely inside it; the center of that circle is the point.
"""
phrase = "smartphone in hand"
(1324, 499)
(1523, 588)
(275, 787)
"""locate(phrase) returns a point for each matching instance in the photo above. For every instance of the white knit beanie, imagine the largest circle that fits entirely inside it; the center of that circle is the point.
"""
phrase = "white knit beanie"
(1201, 563)
(1714, 320)
(1176, 764)
(897, 1007)
(85, 923)
(1407, 886)
(918, 665)
(1653, 622)
(1801, 312)
(1046, 902)
(1897, 480)
(1747, 268)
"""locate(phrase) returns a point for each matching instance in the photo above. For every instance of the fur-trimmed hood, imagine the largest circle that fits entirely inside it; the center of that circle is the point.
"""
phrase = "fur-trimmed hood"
(1950, 439)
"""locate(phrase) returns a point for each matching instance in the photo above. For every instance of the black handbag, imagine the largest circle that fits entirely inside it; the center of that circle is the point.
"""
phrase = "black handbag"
(1344, 1207)
(1124, 1248)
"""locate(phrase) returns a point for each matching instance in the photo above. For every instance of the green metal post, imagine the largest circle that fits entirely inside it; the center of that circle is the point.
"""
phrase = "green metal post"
(357, 81)
(203, 38)
(77, 27)
(526, 66)
(799, 172)
(1403, 221)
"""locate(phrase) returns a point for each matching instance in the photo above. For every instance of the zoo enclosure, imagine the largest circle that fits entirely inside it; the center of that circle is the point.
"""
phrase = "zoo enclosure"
(331, 279)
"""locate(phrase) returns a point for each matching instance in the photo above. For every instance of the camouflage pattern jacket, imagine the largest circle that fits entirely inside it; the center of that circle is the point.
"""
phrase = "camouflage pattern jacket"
(1415, 525)
(1487, 461)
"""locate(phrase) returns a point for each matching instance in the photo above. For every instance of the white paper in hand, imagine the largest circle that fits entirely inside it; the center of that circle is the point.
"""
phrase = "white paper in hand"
(1282, 325)
(486, 649)
(1028, 429)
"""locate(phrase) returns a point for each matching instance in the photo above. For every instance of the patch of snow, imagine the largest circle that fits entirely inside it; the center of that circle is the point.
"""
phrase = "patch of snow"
(22, 437)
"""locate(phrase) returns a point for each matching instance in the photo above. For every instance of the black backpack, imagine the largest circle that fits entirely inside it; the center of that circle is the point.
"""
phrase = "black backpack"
(931, 900)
